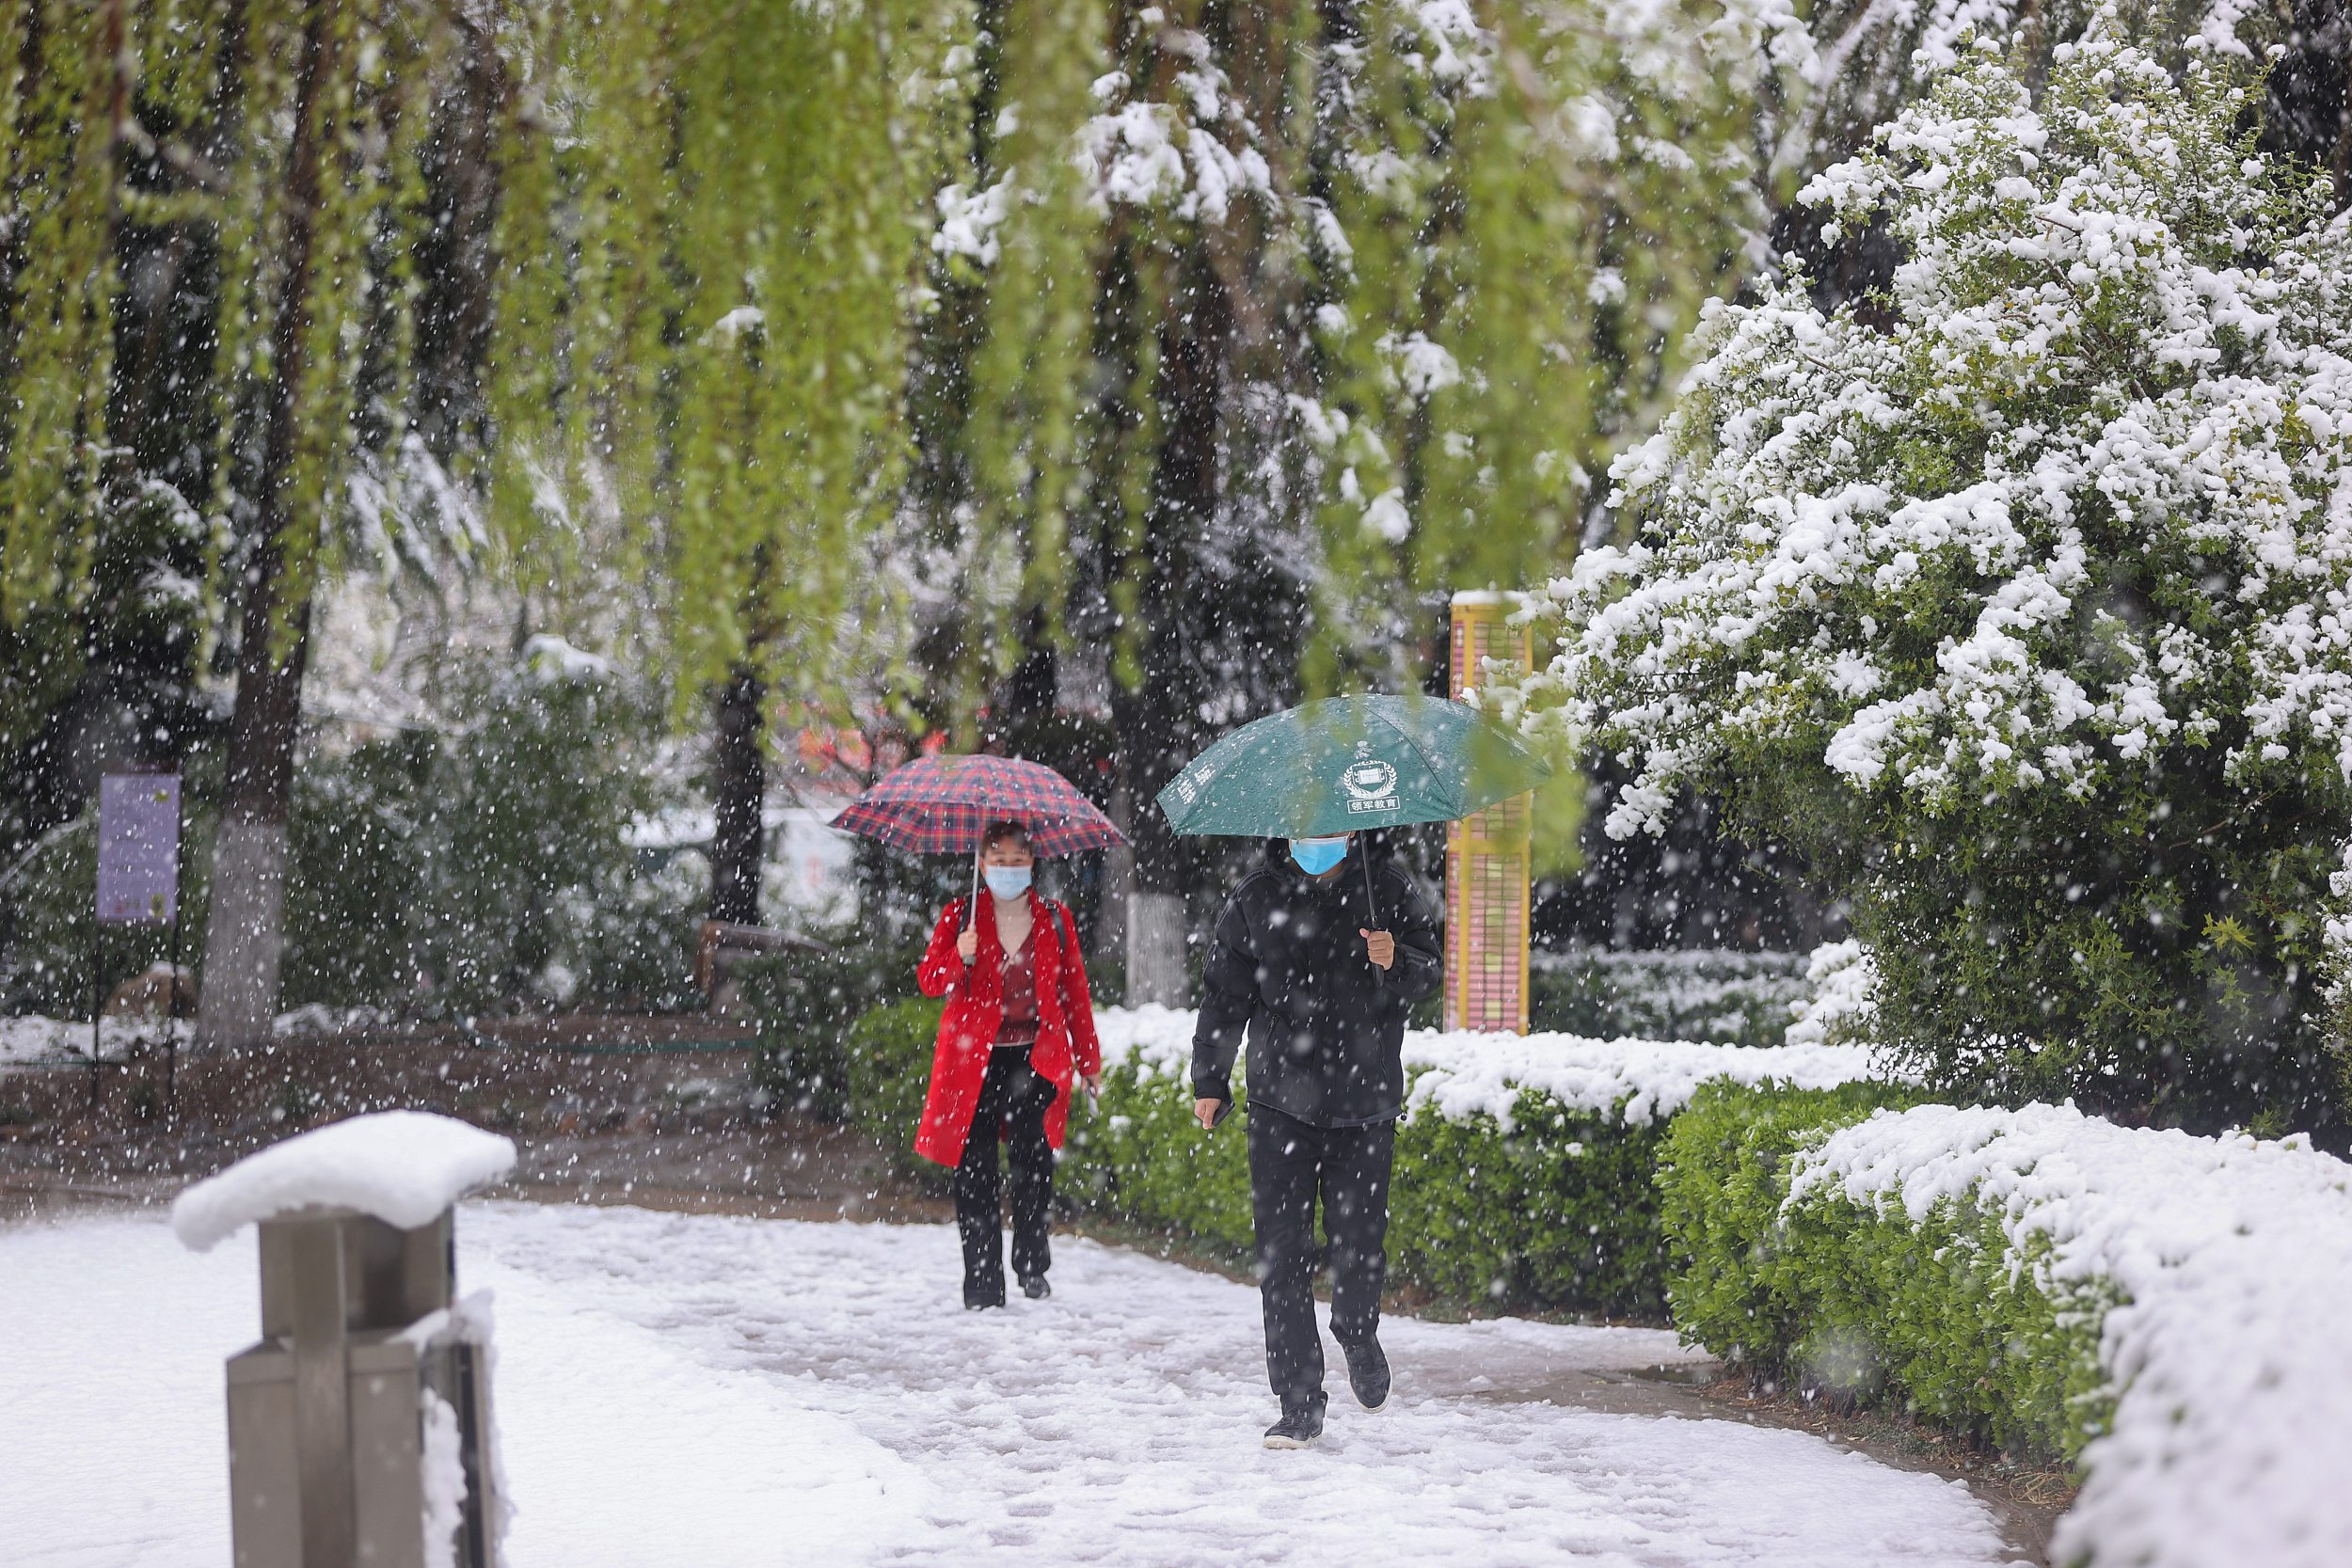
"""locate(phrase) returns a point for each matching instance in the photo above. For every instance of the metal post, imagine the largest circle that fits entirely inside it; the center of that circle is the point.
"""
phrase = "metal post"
(321, 1395)
(97, 996)
(172, 997)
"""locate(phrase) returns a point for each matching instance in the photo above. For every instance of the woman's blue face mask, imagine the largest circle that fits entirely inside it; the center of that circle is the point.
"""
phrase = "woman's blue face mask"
(1317, 856)
(1006, 882)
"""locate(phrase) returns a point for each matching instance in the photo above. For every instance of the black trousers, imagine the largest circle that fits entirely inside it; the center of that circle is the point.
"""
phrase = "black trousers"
(1013, 1100)
(1292, 1165)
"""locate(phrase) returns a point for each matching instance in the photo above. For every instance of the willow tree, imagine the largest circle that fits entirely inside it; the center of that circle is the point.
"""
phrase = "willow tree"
(1375, 288)
(283, 137)
(708, 219)
(722, 246)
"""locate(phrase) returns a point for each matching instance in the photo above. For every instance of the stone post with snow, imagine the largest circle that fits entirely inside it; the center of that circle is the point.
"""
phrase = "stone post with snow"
(359, 1425)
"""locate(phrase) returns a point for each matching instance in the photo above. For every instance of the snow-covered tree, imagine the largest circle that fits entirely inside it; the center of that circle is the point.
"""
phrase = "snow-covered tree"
(2024, 590)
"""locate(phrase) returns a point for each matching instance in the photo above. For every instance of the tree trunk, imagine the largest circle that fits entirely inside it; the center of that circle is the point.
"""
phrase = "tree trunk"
(739, 788)
(246, 936)
(1119, 879)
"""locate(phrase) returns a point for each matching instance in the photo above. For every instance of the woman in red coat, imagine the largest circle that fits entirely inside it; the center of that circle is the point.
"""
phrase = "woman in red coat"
(1019, 1026)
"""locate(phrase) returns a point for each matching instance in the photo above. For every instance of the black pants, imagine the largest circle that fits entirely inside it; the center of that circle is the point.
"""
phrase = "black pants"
(1013, 1100)
(1291, 1164)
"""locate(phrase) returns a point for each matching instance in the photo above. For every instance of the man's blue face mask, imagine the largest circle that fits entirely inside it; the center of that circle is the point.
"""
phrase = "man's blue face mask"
(1317, 856)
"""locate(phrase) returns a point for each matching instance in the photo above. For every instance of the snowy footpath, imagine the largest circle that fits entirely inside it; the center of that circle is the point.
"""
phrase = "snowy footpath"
(698, 1389)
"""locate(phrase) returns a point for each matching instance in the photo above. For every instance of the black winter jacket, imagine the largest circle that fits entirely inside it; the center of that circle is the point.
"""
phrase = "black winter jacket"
(1325, 1030)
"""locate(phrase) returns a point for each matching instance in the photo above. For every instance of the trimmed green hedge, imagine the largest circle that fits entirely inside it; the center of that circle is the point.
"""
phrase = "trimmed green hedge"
(887, 1062)
(1561, 1212)
(1140, 1155)
(808, 1005)
(1558, 1212)
(1832, 1294)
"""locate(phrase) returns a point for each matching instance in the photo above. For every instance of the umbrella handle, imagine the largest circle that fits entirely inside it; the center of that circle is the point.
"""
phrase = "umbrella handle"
(1372, 902)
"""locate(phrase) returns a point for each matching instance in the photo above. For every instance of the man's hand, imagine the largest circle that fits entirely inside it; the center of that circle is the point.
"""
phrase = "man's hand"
(968, 943)
(1379, 946)
(1204, 1111)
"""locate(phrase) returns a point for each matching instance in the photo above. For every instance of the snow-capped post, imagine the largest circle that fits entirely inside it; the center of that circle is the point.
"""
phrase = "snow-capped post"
(359, 1425)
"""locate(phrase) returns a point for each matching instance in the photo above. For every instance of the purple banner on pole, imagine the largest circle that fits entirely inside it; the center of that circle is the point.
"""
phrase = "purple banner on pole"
(138, 846)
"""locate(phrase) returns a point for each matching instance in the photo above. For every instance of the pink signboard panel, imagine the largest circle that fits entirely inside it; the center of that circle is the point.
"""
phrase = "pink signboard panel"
(138, 846)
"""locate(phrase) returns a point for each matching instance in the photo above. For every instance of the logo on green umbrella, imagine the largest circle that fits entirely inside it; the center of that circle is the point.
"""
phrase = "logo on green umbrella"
(1371, 784)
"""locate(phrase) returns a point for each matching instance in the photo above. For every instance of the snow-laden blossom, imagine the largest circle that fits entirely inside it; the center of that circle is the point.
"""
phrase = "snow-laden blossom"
(1418, 365)
(968, 220)
(1194, 154)
(2086, 499)
(1844, 982)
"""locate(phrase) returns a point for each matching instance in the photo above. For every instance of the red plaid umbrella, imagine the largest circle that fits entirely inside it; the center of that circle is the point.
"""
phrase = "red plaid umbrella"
(941, 805)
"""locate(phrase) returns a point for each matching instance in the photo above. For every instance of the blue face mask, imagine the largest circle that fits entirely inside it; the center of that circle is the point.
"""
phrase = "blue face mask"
(1006, 882)
(1317, 856)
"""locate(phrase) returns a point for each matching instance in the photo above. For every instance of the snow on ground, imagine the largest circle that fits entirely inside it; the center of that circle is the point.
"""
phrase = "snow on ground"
(31, 1039)
(714, 1391)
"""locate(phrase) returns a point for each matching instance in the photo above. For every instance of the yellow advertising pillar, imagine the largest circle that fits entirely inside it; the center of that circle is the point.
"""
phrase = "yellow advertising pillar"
(1487, 856)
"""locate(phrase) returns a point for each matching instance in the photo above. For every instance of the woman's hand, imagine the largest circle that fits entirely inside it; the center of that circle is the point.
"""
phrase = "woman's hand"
(1093, 1082)
(1204, 1111)
(968, 943)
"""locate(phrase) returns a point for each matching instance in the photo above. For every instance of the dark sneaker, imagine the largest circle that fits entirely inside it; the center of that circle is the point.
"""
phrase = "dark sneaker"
(1034, 1288)
(980, 1300)
(1298, 1428)
(1368, 1374)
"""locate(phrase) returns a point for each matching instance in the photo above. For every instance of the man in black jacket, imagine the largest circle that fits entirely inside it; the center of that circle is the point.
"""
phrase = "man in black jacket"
(1320, 981)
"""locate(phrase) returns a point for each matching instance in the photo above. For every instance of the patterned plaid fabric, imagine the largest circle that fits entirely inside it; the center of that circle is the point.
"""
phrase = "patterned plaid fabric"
(939, 806)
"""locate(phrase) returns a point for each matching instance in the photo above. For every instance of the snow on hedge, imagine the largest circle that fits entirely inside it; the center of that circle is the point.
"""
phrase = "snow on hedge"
(1462, 1074)
(2233, 1260)
(402, 1166)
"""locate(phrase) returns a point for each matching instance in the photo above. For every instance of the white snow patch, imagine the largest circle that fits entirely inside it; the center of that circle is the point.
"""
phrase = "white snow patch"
(443, 1470)
(402, 1167)
(732, 1392)
(1460, 1074)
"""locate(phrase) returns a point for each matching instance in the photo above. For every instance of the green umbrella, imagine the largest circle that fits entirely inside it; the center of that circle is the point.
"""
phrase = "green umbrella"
(1344, 764)
(1333, 766)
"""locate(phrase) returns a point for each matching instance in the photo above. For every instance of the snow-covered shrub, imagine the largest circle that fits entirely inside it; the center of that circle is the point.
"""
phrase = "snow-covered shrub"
(2161, 1307)
(1676, 994)
(1927, 1312)
(490, 860)
(885, 1055)
(2211, 1274)
(2336, 940)
(1140, 1153)
(2021, 598)
(1524, 1165)
(841, 1029)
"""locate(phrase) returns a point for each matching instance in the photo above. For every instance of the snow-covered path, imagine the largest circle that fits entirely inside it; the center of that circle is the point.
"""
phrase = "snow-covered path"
(705, 1390)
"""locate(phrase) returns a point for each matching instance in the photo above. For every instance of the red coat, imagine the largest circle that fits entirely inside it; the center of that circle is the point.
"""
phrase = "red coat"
(976, 1006)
